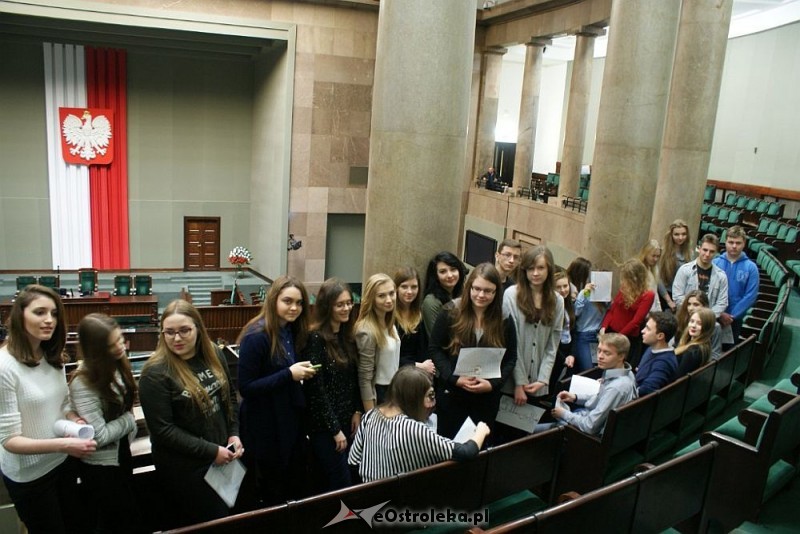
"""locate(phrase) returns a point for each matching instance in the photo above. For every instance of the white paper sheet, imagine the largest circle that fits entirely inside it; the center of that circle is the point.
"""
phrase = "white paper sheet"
(226, 480)
(523, 417)
(586, 387)
(466, 431)
(480, 362)
(602, 286)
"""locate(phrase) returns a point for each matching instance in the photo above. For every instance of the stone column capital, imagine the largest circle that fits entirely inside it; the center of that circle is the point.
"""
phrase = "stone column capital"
(590, 31)
(539, 41)
(495, 50)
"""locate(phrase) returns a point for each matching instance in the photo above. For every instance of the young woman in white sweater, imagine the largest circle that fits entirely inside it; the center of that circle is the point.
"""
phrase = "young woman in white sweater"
(33, 396)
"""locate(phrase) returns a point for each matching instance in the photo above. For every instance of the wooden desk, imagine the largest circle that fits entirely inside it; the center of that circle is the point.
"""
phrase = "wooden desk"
(225, 322)
(143, 307)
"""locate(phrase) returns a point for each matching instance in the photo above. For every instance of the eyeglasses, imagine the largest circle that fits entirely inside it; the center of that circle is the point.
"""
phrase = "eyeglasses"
(343, 305)
(485, 291)
(184, 332)
(510, 256)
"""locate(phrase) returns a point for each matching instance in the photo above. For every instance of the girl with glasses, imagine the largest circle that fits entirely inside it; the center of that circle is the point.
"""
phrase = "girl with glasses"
(37, 471)
(102, 391)
(393, 438)
(272, 364)
(190, 409)
(333, 397)
(474, 320)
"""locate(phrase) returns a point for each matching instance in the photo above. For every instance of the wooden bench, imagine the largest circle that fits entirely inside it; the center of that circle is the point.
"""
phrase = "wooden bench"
(674, 493)
(753, 469)
(526, 463)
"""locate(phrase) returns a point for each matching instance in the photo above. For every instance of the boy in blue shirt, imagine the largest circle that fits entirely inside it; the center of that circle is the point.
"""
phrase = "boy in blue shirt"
(659, 365)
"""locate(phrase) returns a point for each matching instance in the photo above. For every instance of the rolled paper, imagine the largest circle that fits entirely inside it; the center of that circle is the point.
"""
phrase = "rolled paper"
(71, 429)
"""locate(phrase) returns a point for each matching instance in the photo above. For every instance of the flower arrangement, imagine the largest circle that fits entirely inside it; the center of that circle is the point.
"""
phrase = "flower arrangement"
(239, 257)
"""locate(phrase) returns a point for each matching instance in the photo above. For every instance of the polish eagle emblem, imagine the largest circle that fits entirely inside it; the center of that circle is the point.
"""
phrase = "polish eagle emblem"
(87, 138)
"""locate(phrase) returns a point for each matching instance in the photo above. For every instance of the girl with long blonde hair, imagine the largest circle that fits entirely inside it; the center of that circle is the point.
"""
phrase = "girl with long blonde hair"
(377, 339)
(649, 255)
(676, 251)
(694, 348)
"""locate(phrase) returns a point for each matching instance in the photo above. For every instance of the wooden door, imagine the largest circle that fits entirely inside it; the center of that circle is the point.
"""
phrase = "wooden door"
(201, 243)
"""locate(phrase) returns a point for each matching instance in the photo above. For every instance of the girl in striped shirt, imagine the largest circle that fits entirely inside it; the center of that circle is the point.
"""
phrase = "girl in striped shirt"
(393, 437)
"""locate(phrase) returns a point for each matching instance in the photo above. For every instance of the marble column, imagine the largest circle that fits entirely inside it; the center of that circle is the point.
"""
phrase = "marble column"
(691, 113)
(420, 110)
(630, 125)
(529, 110)
(487, 112)
(577, 108)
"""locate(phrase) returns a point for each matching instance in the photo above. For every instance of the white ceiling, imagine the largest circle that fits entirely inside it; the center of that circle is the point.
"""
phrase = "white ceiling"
(749, 16)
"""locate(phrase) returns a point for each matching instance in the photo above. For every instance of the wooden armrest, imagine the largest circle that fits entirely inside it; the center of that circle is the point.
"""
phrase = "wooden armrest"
(727, 442)
(568, 496)
(753, 421)
(779, 397)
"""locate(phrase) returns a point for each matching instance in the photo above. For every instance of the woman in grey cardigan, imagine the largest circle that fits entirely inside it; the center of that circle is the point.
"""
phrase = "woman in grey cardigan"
(102, 392)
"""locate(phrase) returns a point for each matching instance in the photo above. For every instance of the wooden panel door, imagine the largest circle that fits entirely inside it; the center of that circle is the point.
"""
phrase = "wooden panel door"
(201, 243)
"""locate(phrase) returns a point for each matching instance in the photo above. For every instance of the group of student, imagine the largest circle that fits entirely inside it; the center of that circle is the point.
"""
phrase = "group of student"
(352, 394)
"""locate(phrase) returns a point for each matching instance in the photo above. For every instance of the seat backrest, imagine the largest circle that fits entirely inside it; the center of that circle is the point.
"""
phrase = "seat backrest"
(791, 235)
(454, 485)
(700, 381)
(763, 224)
(763, 206)
(670, 404)
(751, 205)
(607, 509)
(629, 425)
(741, 201)
(713, 211)
(724, 373)
(772, 229)
(774, 209)
(522, 464)
(734, 217)
(723, 213)
(87, 280)
(25, 281)
(730, 199)
(744, 353)
(781, 434)
(674, 491)
(143, 284)
(51, 281)
(122, 285)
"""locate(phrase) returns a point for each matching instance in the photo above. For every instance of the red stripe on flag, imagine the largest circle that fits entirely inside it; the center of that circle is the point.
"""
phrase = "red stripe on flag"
(106, 86)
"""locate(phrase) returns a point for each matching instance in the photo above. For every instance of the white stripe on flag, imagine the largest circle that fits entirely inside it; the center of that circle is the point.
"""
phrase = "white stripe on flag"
(70, 217)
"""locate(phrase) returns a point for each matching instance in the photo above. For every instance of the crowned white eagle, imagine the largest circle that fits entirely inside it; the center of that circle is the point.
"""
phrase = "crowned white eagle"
(88, 137)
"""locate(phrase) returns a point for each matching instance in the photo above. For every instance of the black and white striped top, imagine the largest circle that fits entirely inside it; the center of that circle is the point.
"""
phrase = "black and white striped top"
(385, 447)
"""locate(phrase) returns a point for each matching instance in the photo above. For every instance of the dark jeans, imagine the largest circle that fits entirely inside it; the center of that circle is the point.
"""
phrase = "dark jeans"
(582, 350)
(111, 501)
(51, 503)
(332, 465)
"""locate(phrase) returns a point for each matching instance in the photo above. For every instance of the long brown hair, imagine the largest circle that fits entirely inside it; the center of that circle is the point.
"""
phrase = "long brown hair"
(703, 341)
(329, 292)
(580, 272)
(99, 366)
(407, 391)
(180, 371)
(272, 324)
(633, 281)
(525, 300)
(683, 312)
(408, 317)
(19, 346)
(668, 264)
(369, 319)
(462, 331)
